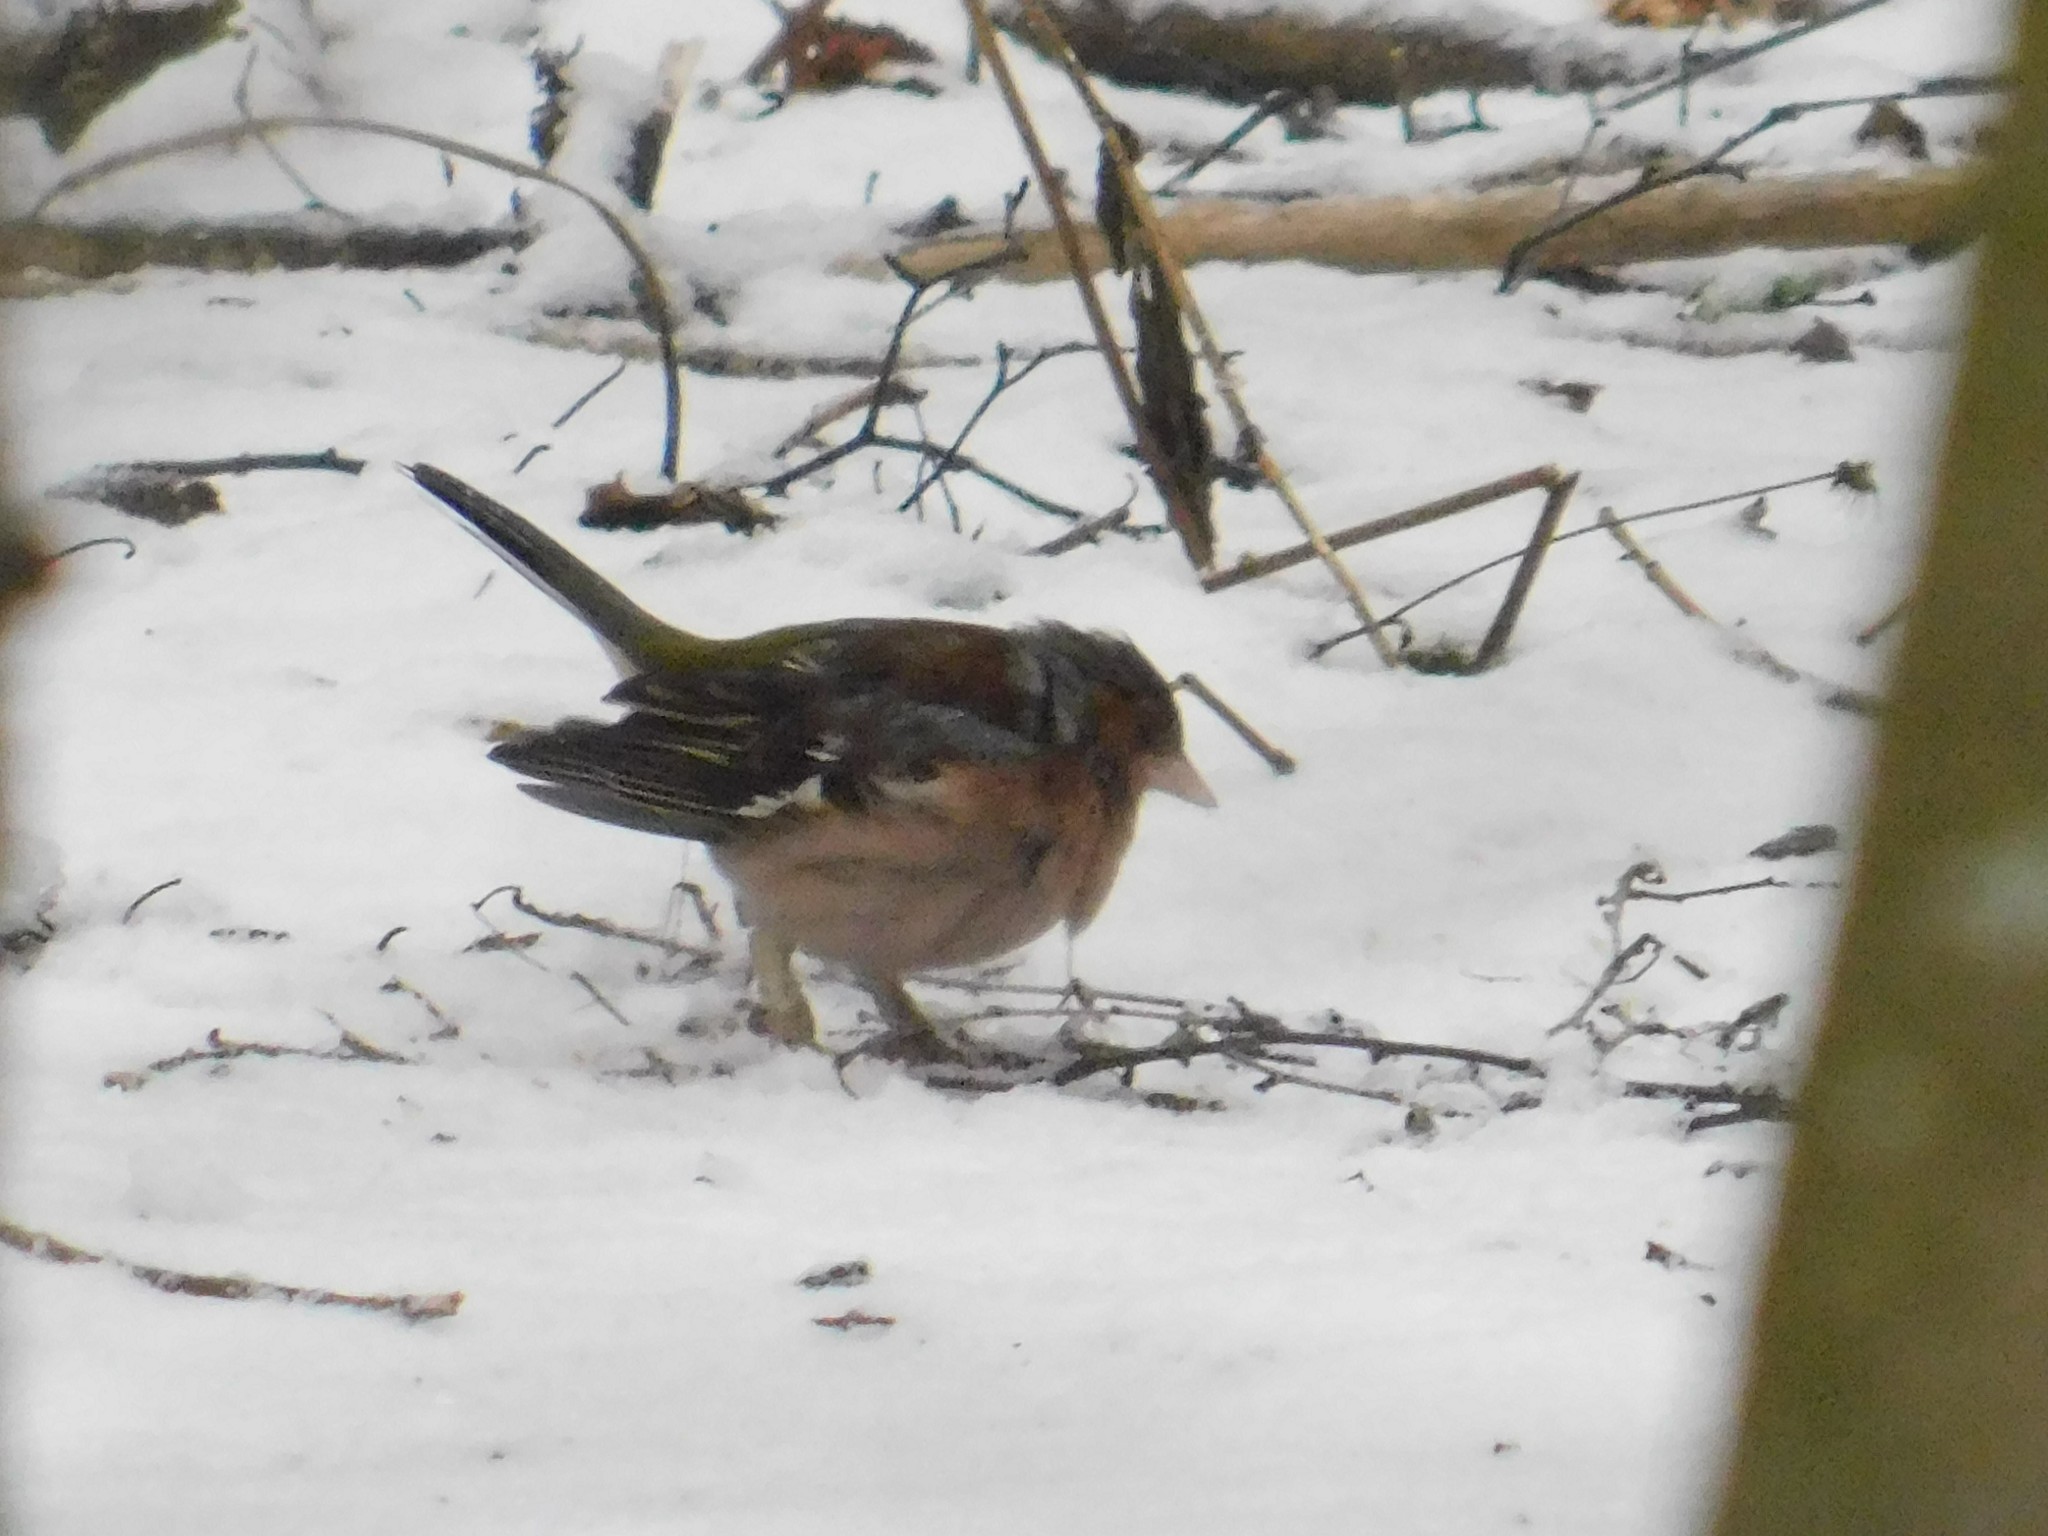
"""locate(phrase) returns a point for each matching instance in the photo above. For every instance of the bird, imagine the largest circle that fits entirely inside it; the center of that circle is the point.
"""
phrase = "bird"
(895, 795)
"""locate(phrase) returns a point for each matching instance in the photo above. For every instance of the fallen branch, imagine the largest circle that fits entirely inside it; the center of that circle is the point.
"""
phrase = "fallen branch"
(1251, 567)
(604, 927)
(1931, 208)
(351, 1047)
(1848, 475)
(179, 1282)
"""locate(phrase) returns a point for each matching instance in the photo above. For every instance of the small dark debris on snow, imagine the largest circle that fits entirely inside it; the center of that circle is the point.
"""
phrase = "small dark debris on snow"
(1853, 701)
(942, 218)
(250, 935)
(1419, 1123)
(1575, 393)
(1506, 1447)
(847, 1272)
(1890, 123)
(491, 942)
(1734, 1167)
(1801, 842)
(168, 500)
(613, 506)
(1520, 1101)
(1823, 342)
(1751, 518)
(1181, 1103)
(846, 1322)
(1668, 1258)
(1855, 475)
(1709, 1299)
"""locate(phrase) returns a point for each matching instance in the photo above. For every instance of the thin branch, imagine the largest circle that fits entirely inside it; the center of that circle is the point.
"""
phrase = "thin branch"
(126, 545)
(1497, 633)
(155, 890)
(651, 292)
(1139, 203)
(245, 463)
(180, 1282)
(1251, 567)
(1274, 102)
(1693, 69)
(1660, 578)
(604, 927)
(1049, 188)
(589, 395)
(1280, 762)
(1713, 163)
(599, 998)
(1833, 476)
(351, 1047)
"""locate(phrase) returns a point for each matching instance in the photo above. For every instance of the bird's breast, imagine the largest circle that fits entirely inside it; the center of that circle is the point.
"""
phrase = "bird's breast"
(969, 864)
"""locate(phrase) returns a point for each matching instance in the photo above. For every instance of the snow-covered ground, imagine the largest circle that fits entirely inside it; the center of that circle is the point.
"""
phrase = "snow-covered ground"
(1291, 1309)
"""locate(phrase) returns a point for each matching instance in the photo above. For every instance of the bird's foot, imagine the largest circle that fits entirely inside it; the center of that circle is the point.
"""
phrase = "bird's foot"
(783, 1012)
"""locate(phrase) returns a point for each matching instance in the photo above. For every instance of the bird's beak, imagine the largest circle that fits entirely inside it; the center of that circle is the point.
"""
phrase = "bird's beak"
(1176, 776)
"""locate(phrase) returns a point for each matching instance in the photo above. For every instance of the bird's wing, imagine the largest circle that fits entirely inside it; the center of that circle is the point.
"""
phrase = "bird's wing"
(709, 752)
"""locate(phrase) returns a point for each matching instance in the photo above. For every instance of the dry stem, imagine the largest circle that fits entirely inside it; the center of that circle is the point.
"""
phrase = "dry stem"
(55, 1250)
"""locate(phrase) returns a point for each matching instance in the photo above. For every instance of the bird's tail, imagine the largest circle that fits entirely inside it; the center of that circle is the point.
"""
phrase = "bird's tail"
(632, 635)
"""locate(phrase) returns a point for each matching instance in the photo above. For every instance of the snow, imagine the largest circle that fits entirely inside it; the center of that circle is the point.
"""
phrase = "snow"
(1295, 1310)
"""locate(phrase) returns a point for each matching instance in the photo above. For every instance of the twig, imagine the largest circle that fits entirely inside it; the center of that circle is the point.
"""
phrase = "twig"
(604, 927)
(599, 998)
(589, 395)
(1833, 476)
(1660, 578)
(1503, 625)
(127, 548)
(1139, 203)
(1692, 70)
(155, 890)
(1085, 533)
(445, 1028)
(885, 390)
(1751, 1103)
(839, 408)
(314, 201)
(1251, 567)
(1713, 163)
(245, 463)
(1280, 762)
(1049, 187)
(1275, 101)
(1005, 379)
(54, 1250)
(351, 1047)
(1869, 632)
(650, 292)
(1615, 972)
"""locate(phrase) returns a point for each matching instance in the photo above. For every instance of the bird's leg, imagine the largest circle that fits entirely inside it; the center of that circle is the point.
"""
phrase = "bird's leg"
(912, 1036)
(783, 1011)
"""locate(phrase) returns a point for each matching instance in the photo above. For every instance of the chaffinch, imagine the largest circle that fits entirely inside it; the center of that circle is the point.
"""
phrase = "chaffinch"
(897, 795)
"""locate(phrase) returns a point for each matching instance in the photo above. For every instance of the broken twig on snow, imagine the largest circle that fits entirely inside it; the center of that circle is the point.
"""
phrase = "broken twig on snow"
(180, 1282)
